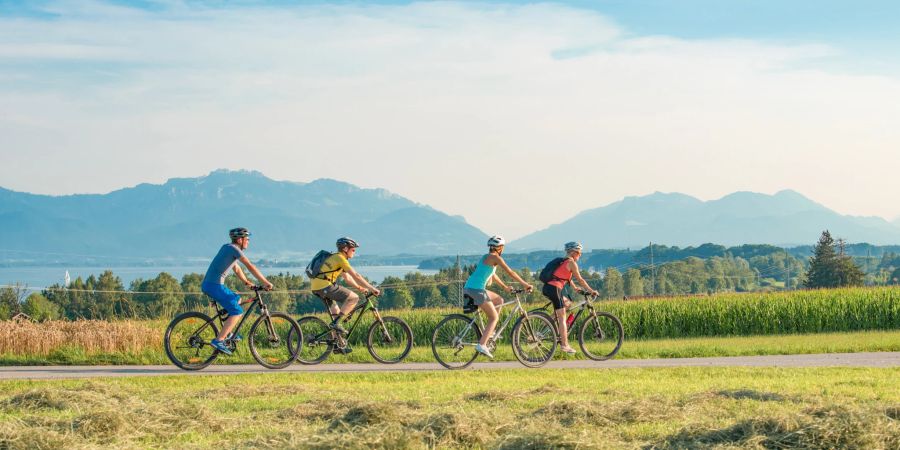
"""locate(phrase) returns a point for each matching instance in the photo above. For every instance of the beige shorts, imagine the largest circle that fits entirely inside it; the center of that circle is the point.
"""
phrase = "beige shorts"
(333, 293)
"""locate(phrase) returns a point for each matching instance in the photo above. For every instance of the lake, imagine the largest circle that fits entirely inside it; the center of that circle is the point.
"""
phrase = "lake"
(38, 277)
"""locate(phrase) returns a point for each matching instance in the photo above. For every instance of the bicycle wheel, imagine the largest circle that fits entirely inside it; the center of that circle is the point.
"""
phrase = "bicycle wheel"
(391, 343)
(601, 336)
(187, 340)
(453, 341)
(317, 340)
(275, 340)
(534, 340)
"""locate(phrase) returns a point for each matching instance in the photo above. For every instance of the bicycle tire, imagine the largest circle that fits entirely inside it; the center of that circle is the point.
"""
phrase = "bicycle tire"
(203, 353)
(594, 336)
(453, 344)
(317, 342)
(395, 349)
(275, 345)
(534, 340)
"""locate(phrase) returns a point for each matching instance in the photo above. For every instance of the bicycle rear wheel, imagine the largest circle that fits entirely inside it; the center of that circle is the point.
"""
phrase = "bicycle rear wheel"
(453, 341)
(317, 341)
(601, 336)
(275, 340)
(534, 340)
(391, 343)
(187, 340)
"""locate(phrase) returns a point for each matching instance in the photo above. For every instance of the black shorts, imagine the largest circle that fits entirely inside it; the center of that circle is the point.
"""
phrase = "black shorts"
(555, 295)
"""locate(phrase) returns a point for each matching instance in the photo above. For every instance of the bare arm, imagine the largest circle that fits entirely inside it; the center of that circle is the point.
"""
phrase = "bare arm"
(256, 273)
(360, 282)
(500, 282)
(512, 273)
(573, 266)
(241, 276)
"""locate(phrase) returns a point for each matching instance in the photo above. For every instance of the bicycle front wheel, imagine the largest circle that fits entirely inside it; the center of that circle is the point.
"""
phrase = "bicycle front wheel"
(453, 342)
(187, 340)
(601, 336)
(275, 340)
(389, 340)
(318, 340)
(534, 340)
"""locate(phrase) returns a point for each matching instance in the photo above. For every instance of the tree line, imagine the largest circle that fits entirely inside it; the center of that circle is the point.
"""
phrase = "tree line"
(105, 296)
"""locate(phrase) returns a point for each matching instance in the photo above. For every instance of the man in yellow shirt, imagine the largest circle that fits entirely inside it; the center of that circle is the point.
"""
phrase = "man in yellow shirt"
(325, 287)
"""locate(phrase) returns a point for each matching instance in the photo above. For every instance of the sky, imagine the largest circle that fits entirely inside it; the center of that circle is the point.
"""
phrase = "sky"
(515, 115)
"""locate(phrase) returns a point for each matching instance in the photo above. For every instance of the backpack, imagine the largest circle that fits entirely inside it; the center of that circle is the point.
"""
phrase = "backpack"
(546, 274)
(314, 268)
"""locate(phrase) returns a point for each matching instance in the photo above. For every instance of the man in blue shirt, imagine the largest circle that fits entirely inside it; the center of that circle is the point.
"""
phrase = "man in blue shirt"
(214, 282)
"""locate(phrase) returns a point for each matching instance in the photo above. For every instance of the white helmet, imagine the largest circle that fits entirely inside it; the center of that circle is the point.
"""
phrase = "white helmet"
(496, 241)
(573, 246)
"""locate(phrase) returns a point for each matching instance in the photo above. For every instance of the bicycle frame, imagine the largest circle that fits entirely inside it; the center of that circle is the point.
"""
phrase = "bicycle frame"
(367, 304)
(498, 332)
(222, 314)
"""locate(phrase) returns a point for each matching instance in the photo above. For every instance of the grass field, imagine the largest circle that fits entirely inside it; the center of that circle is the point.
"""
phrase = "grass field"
(511, 409)
(865, 341)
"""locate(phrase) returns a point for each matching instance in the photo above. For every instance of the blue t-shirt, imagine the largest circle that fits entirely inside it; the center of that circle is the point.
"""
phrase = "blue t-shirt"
(222, 263)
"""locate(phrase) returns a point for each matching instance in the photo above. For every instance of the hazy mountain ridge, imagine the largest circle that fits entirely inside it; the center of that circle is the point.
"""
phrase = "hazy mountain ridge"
(190, 217)
(784, 218)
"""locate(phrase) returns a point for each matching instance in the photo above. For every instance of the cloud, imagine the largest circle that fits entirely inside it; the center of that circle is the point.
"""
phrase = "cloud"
(440, 102)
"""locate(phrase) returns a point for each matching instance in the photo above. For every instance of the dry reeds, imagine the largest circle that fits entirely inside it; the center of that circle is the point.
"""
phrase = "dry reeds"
(91, 336)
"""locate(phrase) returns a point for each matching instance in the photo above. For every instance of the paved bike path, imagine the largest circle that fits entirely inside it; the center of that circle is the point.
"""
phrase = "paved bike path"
(880, 359)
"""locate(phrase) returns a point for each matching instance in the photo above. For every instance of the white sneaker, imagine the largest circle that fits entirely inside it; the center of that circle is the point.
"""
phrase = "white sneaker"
(484, 351)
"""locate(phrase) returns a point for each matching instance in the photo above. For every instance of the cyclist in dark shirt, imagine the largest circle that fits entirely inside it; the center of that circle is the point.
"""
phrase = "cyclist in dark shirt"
(214, 283)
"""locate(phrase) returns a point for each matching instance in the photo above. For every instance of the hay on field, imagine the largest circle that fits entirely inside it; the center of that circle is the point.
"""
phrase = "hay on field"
(569, 413)
(16, 435)
(828, 427)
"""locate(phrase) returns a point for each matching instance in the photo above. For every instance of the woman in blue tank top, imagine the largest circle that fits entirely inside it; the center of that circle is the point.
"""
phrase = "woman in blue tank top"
(476, 288)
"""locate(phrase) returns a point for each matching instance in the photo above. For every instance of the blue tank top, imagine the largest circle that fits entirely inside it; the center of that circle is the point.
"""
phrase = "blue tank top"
(481, 275)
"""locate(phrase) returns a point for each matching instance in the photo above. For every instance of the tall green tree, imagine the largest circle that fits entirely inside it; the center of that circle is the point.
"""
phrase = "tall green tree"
(634, 284)
(613, 286)
(40, 308)
(823, 264)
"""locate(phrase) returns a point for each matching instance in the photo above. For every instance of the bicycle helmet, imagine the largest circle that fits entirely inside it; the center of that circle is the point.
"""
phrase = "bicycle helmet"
(573, 246)
(346, 242)
(496, 241)
(237, 233)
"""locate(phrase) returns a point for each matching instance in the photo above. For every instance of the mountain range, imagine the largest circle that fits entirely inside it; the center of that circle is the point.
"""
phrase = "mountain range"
(786, 218)
(189, 218)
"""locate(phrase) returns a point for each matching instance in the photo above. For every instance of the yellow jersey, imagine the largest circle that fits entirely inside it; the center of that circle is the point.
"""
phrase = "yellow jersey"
(331, 269)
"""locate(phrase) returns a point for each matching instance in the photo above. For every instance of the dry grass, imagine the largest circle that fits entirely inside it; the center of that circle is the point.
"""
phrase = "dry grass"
(91, 336)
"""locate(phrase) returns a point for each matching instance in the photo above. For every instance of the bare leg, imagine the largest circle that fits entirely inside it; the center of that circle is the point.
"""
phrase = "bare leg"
(349, 304)
(492, 318)
(227, 326)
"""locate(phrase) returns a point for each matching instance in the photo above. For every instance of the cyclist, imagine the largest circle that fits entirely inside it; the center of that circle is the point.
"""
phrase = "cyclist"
(476, 287)
(324, 287)
(553, 290)
(214, 283)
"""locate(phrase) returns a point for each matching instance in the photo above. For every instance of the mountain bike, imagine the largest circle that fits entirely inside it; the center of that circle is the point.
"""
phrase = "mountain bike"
(388, 339)
(533, 338)
(188, 336)
(601, 334)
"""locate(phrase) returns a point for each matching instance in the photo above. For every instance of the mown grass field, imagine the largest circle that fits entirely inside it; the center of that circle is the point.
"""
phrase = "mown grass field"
(511, 409)
(839, 320)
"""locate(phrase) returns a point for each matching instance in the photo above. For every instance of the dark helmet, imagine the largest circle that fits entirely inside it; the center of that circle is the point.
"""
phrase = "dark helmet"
(346, 242)
(237, 233)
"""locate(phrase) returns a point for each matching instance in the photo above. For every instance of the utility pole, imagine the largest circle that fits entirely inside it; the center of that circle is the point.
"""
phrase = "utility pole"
(652, 270)
(787, 270)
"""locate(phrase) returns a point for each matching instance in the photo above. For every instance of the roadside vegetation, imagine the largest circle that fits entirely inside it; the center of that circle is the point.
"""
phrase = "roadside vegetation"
(516, 409)
(838, 320)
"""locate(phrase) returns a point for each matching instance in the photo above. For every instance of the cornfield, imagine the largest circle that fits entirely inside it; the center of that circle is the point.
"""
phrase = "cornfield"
(836, 310)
